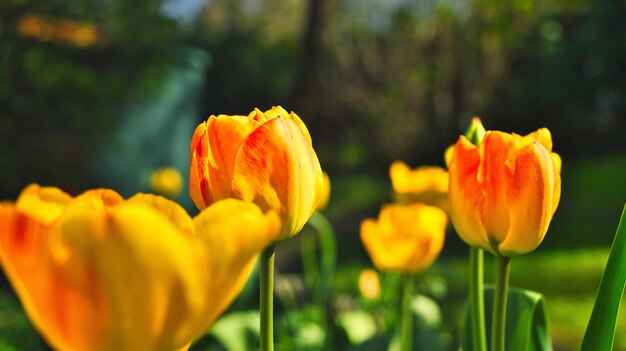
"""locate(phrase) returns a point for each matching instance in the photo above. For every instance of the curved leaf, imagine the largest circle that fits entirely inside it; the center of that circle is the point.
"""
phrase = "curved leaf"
(526, 321)
(601, 329)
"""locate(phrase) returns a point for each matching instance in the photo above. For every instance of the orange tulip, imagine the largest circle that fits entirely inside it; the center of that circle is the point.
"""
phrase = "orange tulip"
(504, 192)
(266, 158)
(426, 184)
(98, 272)
(405, 238)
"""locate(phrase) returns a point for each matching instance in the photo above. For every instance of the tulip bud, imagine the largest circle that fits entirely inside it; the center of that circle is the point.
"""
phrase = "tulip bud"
(475, 132)
(265, 157)
(504, 190)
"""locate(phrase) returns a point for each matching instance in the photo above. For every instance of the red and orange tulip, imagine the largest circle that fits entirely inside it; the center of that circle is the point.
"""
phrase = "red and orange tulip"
(405, 238)
(504, 191)
(98, 272)
(265, 157)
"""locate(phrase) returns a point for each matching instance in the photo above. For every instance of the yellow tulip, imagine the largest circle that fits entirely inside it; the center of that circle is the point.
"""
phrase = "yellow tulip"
(98, 272)
(166, 181)
(504, 191)
(405, 238)
(426, 184)
(265, 157)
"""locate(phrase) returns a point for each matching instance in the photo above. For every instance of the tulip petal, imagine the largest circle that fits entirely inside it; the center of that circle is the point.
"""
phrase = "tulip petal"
(43, 203)
(530, 193)
(557, 181)
(399, 175)
(22, 255)
(231, 233)
(466, 195)
(277, 169)
(146, 263)
(170, 209)
(495, 149)
(198, 170)
(543, 137)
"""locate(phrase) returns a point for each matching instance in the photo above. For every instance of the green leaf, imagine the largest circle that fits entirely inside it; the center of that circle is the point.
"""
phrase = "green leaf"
(601, 329)
(526, 321)
(237, 330)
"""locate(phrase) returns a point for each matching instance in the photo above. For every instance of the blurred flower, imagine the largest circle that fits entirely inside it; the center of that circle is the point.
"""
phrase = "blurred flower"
(504, 191)
(369, 284)
(266, 158)
(405, 238)
(166, 181)
(324, 193)
(98, 272)
(426, 184)
(62, 30)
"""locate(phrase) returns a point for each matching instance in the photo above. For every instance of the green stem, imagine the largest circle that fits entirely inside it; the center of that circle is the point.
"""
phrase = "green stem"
(266, 304)
(477, 300)
(499, 304)
(406, 334)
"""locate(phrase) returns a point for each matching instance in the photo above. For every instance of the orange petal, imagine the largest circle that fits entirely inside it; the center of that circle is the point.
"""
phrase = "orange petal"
(496, 149)
(199, 182)
(466, 196)
(277, 169)
(530, 192)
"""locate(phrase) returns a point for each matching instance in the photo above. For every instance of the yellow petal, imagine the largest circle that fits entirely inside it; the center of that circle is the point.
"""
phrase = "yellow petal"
(170, 209)
(231, 233)
(324, 195)
(43, 203)
(135, 273)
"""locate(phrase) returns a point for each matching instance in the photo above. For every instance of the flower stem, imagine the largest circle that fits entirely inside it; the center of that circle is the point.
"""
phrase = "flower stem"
(406, 334)
(266, 304)
(477, 301)
(499, 304)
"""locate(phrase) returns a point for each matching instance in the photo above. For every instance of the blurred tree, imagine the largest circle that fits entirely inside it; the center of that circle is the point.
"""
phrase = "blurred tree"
(58, 99)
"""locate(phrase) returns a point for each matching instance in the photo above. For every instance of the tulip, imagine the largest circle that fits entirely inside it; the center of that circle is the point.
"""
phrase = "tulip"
(369, 284)
(265, 158)
(504, 191)
(166, 181)
(98, 272)
(426, 184)
(405, 238)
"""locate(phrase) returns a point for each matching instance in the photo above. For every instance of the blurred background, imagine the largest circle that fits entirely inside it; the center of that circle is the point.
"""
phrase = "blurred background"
(102, 93)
